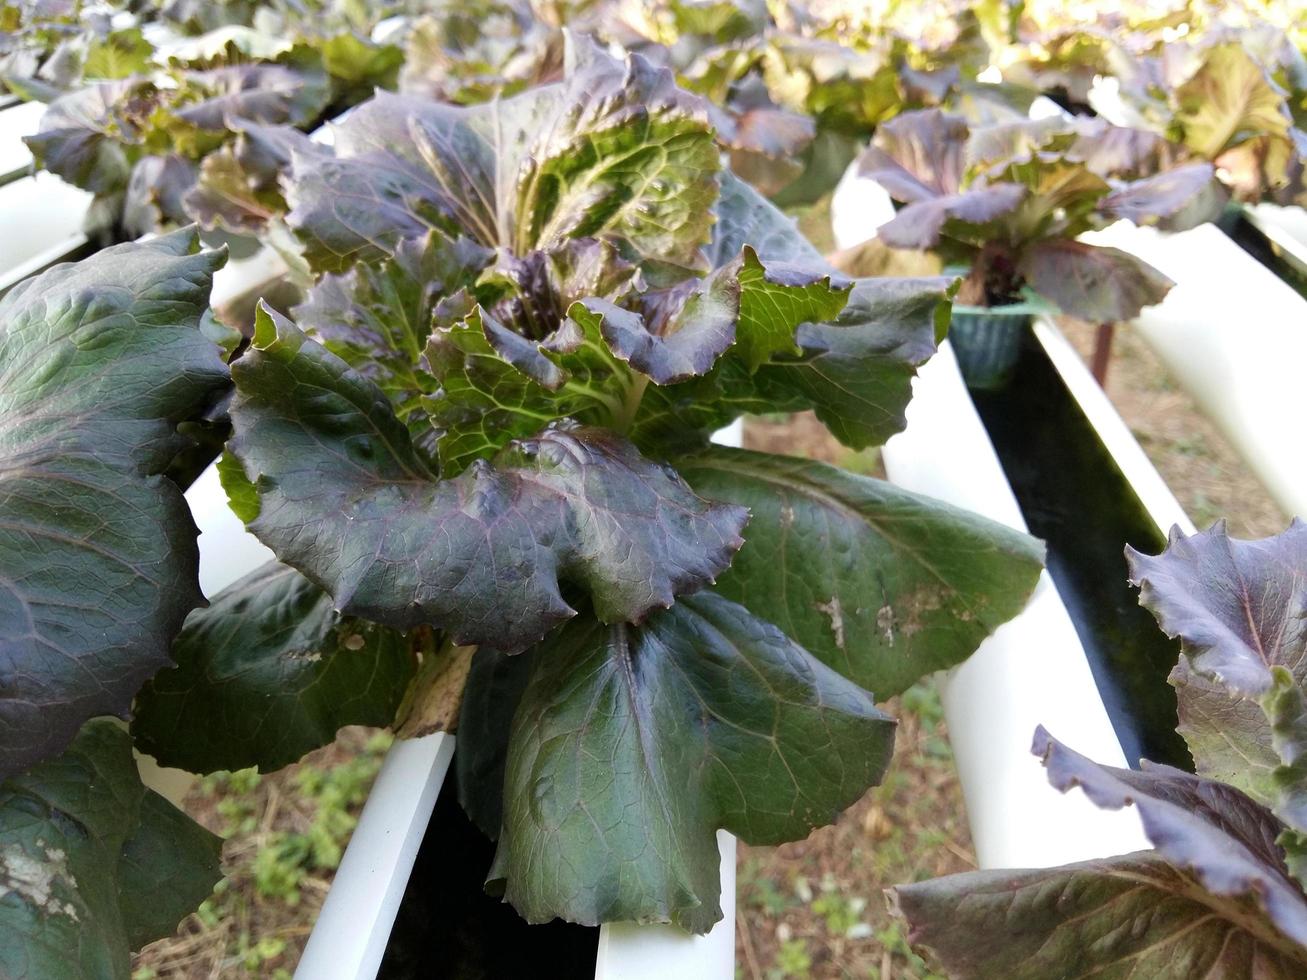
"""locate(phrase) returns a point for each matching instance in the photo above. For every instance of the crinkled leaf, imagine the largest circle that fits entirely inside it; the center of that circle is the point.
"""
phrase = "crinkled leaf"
(1092, 282)
(78, 834)
(1238, 608)
(99, 363)
(118, 54)
(378, 316)
(614, 149)
(346, 500)
(266, 93)
(1286, 711)
(854, 372)
(267, 673)
(698, 326)
(775, 297)
(1213, 900)
(633, 745)
(469, 52)
(495, 386)
(883, 585)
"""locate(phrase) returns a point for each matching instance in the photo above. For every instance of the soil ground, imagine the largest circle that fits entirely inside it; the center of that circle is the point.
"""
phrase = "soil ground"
(811, 910)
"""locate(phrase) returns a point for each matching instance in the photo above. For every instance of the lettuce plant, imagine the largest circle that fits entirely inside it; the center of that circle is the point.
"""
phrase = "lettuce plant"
(203, 135)
(1010, 199)
(480, 448)
(1222, 893)
(1227, 104)
(101, 363)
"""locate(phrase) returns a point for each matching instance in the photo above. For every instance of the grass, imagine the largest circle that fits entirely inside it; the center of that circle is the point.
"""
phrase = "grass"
(285, 834)
(816, 909)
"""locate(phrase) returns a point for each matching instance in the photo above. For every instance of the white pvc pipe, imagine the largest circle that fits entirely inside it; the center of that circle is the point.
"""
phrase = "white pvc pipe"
(349, 939)
(631, 952)
(1286, 227)
(1235, 338)
(1033, 670)
(43, 219)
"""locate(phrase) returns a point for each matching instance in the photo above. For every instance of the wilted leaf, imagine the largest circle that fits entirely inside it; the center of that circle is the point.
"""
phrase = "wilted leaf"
(99, 362)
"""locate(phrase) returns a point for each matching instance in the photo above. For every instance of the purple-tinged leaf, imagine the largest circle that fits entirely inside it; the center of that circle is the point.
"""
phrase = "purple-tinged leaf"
(920, 224)
(614, 150)
(81, 134)
(1163, 195)
(1092, 282)
(918, 156)
(1213, 900)
(99, 363)
(344, 498)
(1238, 608)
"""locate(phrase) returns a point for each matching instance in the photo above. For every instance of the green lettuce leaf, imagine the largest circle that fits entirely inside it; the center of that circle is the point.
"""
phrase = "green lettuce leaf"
(883, 585)
(93, 864)
(633, 745)
(99, 363)
(267, 673)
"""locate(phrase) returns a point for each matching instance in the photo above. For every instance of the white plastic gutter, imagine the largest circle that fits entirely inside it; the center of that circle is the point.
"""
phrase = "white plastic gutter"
(1285, 227)
(16, 122)
(1033, 670)
(1235, 338)
(43, 216)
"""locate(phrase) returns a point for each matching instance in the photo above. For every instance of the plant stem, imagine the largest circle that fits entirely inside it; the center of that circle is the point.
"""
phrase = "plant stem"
(631, 404)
